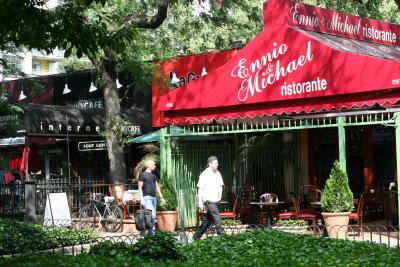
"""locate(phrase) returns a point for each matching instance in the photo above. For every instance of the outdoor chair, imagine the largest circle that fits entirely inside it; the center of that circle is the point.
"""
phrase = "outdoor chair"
(390, 208)
(267, 197)
(284, 215)
(232, 213)
(200, 214)
(301, 215)
(246, 194)
(308, 195)
(118, 201)
(357, 215)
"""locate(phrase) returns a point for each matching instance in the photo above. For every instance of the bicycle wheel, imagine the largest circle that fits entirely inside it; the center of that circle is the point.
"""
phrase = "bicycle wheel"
(112, 219)
(86, 218)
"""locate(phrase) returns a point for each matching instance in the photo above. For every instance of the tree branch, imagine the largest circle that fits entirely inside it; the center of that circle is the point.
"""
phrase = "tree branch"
(147, 22)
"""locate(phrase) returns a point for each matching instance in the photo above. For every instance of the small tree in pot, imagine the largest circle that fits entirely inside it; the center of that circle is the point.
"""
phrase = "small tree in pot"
(167, 213)
(337, 202)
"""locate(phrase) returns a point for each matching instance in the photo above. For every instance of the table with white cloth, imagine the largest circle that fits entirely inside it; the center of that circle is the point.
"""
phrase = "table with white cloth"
(131, 200)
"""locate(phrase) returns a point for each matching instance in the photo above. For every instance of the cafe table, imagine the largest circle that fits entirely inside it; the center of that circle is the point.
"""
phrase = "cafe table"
(316, 204)
(268, 206)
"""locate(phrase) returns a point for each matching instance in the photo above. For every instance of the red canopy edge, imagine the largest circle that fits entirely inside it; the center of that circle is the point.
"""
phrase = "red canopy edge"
(353, 73)
(385, 98)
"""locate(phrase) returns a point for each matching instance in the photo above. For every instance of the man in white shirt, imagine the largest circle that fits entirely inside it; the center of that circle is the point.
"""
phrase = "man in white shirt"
(209, 194)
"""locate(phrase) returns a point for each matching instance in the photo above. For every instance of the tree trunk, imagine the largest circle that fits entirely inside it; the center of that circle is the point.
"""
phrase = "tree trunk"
(106, 70)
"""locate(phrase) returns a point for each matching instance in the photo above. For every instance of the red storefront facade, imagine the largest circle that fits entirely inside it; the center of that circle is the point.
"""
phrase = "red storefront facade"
(309, 70)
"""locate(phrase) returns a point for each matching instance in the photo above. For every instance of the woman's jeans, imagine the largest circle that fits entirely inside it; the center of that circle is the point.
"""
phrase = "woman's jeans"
(150, 203)
(212, 216)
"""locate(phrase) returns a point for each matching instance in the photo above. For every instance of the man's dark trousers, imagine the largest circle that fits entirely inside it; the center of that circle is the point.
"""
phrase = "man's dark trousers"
(212, 216)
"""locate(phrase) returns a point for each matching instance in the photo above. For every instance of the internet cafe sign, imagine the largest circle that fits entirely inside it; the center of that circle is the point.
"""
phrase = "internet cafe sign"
(338, 23)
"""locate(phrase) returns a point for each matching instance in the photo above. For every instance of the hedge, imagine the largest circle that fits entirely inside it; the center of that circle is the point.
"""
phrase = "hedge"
(19, 237)
(258, 248)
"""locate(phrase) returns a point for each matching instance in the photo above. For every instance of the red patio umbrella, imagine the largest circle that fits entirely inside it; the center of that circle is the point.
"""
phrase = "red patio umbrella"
(33, 159)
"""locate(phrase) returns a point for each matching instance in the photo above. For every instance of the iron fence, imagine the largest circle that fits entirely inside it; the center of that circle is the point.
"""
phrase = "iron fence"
(12, 198)
(387, 235)
(77, 192)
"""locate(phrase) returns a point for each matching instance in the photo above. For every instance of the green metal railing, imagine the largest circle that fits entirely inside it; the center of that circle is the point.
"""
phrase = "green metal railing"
(189, 159)
(263, 152)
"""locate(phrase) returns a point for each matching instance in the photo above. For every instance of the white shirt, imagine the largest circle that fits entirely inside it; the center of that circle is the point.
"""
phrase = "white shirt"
(210, 186)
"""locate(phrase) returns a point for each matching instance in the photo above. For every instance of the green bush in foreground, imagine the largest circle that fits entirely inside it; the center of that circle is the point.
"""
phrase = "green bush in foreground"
(19, 237)
(161, 246)
(259, 248)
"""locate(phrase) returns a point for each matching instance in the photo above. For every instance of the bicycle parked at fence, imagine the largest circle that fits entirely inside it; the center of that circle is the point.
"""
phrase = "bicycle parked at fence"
(106, 213)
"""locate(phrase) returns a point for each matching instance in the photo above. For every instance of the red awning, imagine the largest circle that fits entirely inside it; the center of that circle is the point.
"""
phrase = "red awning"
(287, 70)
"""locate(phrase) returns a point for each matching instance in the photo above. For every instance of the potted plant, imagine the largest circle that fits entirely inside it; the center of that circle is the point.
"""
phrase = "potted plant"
(291, 226)
(337, 202)
(167, 214)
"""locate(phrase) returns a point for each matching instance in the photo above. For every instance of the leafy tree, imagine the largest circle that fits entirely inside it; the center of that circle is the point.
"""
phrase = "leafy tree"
(99, 29)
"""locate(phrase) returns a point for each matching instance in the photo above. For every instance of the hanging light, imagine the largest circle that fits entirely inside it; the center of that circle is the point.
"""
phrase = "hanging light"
(66, 89)
(174, 79)
(22, 96)
(204, 72)
(92, 88)
(118, 84)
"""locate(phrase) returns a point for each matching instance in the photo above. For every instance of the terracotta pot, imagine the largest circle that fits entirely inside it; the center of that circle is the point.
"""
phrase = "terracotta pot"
(166, 220)
(336, 223)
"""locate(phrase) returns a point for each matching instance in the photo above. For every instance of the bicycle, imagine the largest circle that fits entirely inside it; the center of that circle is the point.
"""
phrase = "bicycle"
(110, 214)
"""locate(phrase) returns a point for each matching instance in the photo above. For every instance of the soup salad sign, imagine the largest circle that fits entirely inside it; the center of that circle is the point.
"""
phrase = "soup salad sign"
(268, 69)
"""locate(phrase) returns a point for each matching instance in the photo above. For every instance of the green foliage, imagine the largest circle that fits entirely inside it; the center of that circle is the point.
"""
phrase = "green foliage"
(337, 196)
(19, 237)
(290, 223)
(169, 194)
(111, 249)
(161, 246)
(229, 222)
(74, 63)
(256, 248)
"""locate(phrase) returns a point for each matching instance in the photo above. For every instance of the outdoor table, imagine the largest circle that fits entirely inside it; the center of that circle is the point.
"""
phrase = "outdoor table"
(267, 206)
(316, 204)
(131, 200)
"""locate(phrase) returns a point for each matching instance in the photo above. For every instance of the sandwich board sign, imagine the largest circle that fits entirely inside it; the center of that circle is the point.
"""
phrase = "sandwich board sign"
(57, 211)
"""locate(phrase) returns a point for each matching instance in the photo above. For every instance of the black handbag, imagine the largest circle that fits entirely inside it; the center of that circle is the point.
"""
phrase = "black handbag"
(143, 219)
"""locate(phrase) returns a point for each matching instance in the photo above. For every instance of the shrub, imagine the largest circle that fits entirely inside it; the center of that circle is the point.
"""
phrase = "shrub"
(169, 194)
(19, 237)
(256, 248)
(229, 222)
(161, 246)
(111, 249)
(337, 196)
(290, 223)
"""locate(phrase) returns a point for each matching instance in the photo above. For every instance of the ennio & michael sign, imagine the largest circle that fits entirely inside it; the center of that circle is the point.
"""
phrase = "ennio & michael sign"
(328, 21)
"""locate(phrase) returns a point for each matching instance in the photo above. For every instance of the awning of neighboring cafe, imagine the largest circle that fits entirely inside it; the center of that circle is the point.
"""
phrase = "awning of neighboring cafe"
(288, 70)
(60, 121)
(153, 136)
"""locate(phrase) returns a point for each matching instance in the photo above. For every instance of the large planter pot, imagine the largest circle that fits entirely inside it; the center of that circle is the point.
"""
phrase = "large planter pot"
(336, 223)
(166, 220)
